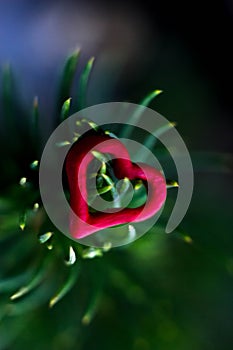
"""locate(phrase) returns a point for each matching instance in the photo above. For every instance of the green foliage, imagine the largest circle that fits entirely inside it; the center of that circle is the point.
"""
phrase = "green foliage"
(160, 293)
(32, 219)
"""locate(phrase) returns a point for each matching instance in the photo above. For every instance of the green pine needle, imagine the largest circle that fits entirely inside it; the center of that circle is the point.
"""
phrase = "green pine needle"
(68, 77)
(45, 237)
(83, 84)
(72, 257)
(22, 220)
(66, 287)
(90, 253)
(34, 165)
(65, 110)
(93, 305)
(36, 280)
(139, 111)
(172, 184)
(150, 141)
(100, 156)
(149, 98)
(11, 283)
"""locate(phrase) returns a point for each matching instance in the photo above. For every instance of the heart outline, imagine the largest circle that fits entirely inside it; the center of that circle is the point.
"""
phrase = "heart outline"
(82, 222)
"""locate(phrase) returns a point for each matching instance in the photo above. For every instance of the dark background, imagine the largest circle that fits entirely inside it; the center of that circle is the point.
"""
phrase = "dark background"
(181, 48)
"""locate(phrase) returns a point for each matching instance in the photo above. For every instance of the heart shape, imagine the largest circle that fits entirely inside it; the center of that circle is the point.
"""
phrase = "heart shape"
(82, 222)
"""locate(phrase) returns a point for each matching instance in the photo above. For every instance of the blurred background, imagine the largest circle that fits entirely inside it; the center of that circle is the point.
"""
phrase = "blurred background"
(162, 292)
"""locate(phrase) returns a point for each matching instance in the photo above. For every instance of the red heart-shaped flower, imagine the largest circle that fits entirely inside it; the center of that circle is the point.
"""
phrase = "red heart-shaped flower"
(82, 222)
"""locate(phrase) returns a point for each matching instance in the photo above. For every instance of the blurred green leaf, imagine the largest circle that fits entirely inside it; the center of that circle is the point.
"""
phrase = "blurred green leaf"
(172, 184)
(36, 280)
(147, 100)
(36, 298)
(11, 283)
(67, 78)
(22, 220)
(93, 303)
(66, 287)
(126, 131)
(65, 109)
(151, 139)
(83, 84)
